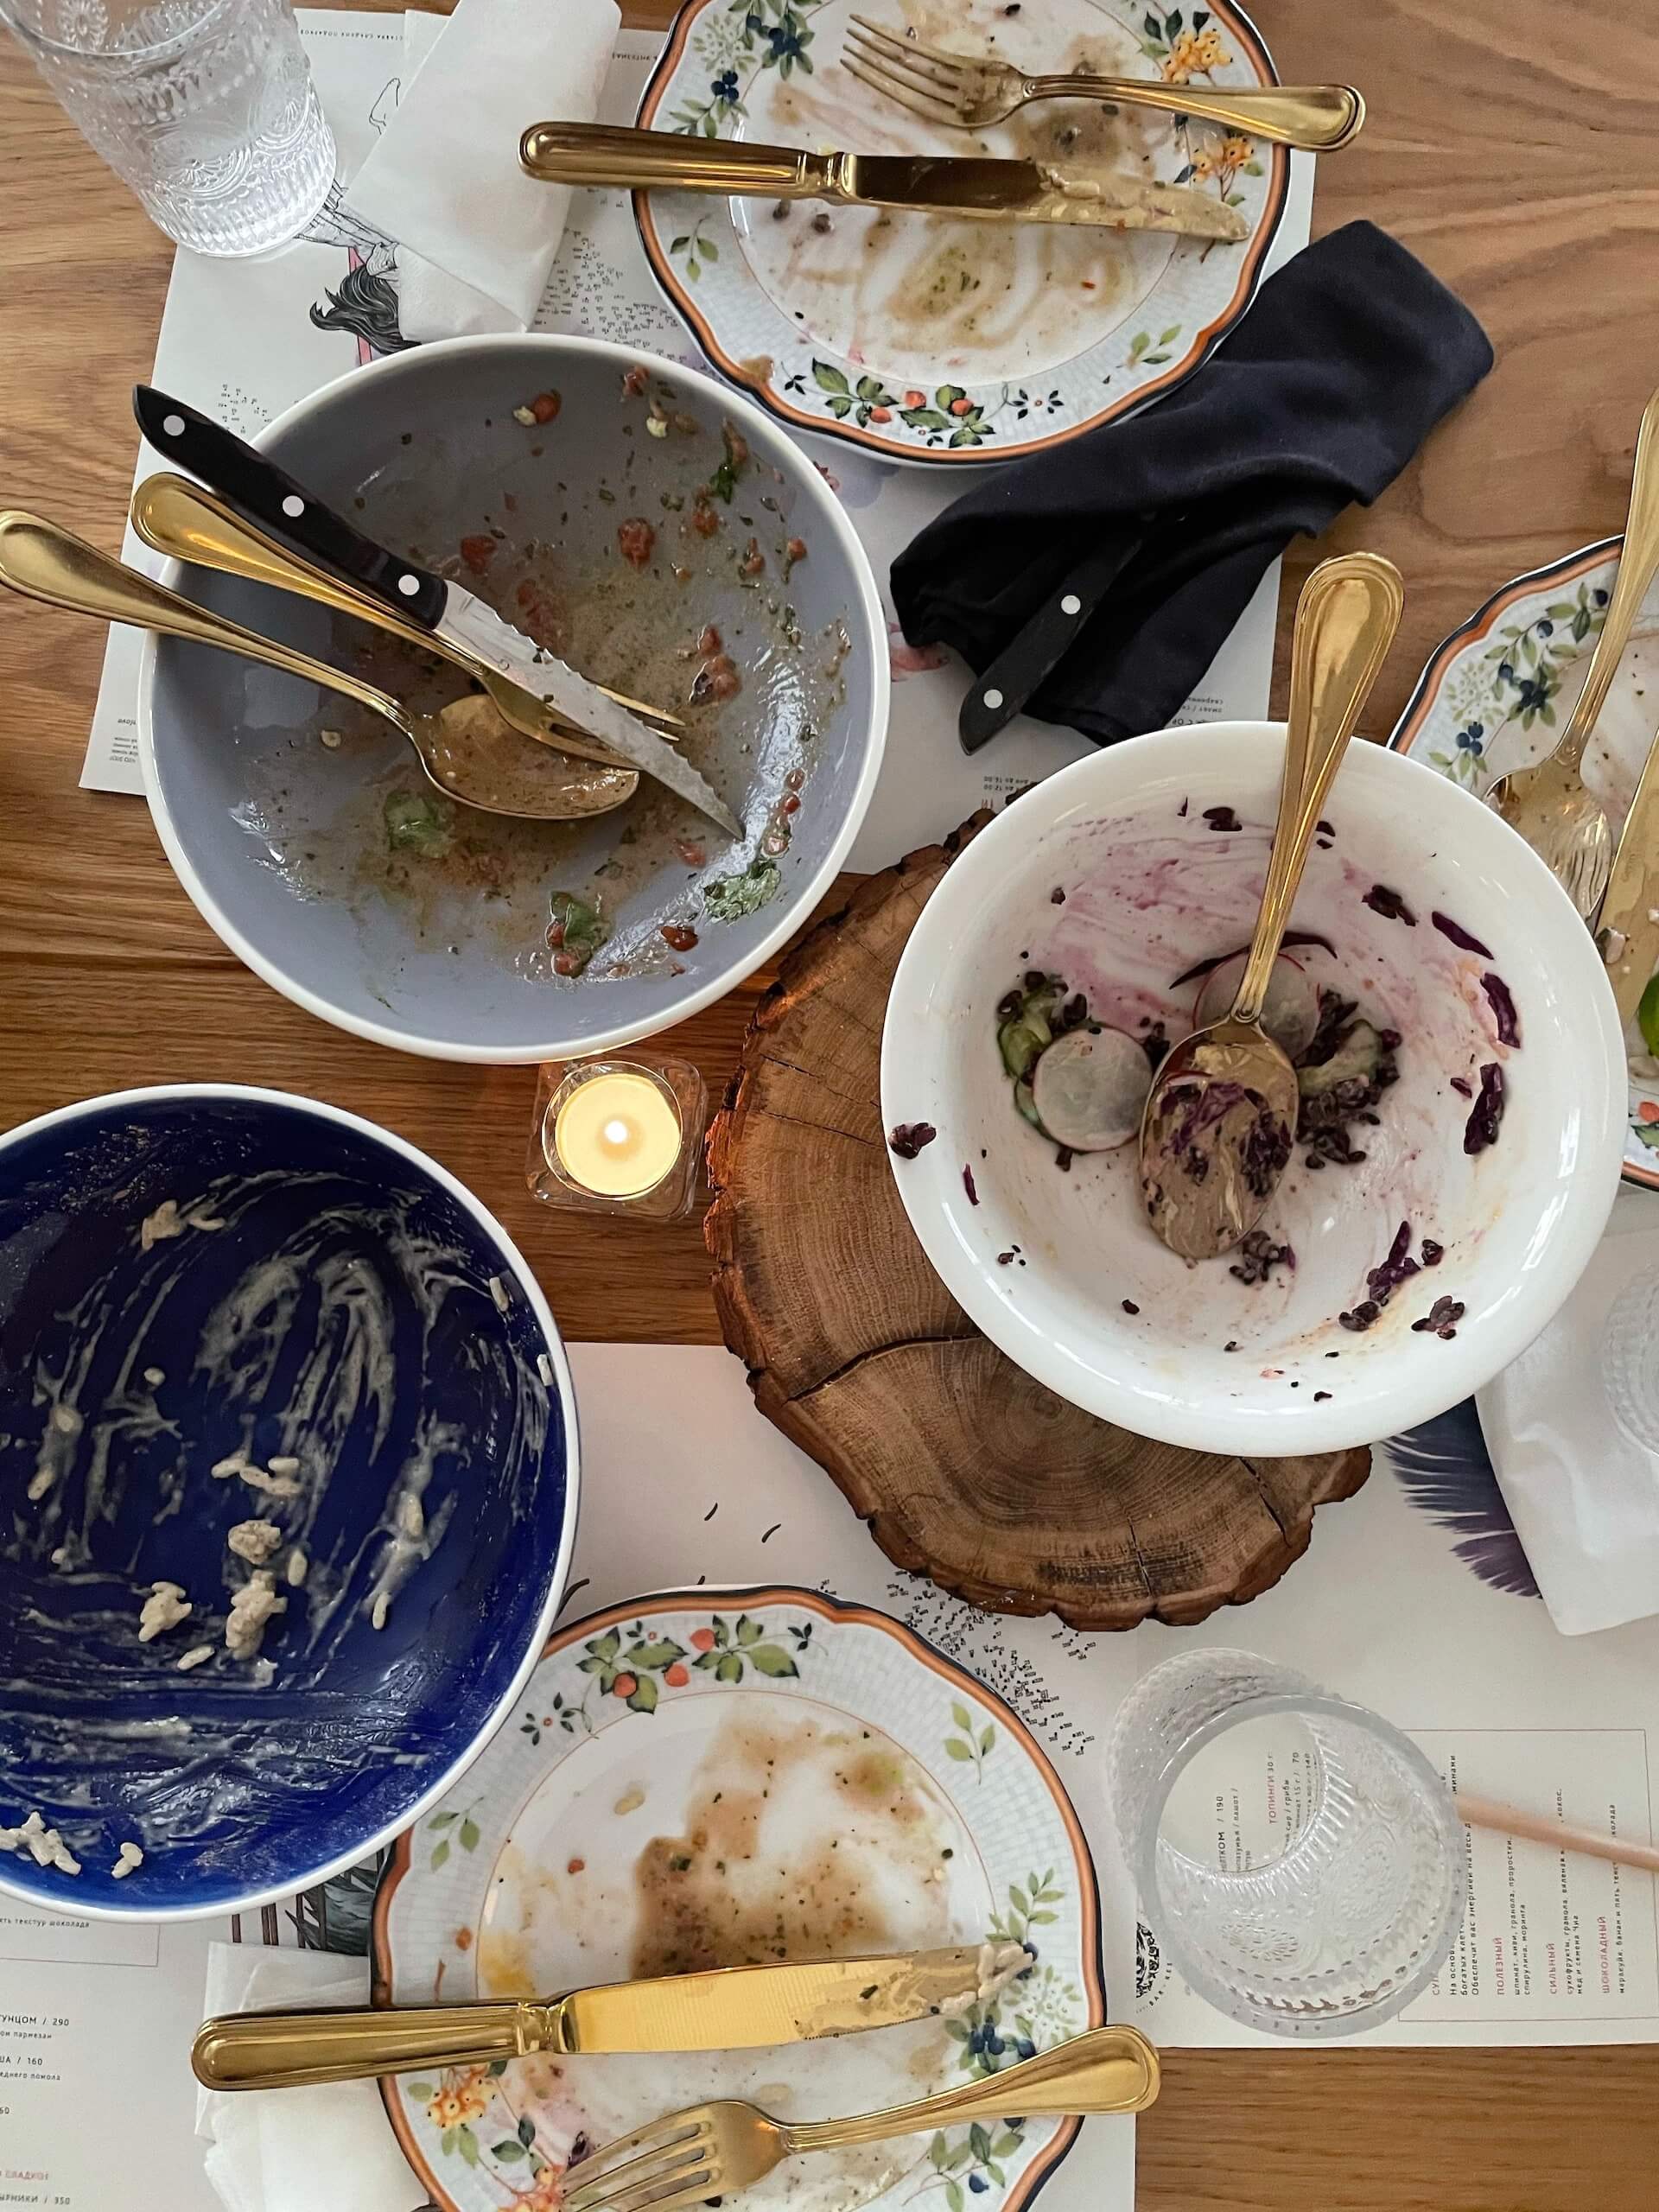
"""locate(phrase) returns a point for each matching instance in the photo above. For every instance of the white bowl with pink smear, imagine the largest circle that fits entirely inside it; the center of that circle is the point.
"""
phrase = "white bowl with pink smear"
(1419, 1241)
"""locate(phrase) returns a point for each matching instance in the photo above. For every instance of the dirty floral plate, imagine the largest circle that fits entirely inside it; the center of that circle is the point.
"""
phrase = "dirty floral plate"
(704, 1779)
(926, 340)
(1496, 694)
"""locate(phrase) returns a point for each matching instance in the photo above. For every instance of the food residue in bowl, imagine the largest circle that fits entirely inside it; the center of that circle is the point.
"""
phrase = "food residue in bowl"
(683, 603)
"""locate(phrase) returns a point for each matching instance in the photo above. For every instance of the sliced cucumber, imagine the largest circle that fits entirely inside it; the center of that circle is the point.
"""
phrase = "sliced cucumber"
(1021, 1039)
(1089, 1089)
(1290, 1014)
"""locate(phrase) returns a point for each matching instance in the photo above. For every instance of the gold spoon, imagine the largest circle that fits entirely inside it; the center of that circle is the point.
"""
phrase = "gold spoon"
(1547, 804)
(483, 767)
(187, 522)
(1221, 1116)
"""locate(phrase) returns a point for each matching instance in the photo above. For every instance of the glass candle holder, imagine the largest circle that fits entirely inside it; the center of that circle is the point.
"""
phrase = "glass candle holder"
(619, 1135)
(1299, 1860)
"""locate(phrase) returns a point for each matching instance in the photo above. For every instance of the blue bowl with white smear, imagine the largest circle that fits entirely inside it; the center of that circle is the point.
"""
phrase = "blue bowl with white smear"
(263, 1361)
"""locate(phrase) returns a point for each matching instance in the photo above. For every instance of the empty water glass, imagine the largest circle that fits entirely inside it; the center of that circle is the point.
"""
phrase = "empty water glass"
(1629, 1359)
(1300, 1861)
(205, 107)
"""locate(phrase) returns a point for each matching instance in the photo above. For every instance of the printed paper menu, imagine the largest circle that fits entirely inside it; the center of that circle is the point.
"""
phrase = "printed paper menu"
(243, 340)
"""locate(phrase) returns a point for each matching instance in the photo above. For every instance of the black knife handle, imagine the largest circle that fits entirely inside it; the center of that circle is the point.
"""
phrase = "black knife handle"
(999, 692)
(268, 495)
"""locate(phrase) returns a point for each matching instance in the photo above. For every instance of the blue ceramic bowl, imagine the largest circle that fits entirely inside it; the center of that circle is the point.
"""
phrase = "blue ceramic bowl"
(314, 1290)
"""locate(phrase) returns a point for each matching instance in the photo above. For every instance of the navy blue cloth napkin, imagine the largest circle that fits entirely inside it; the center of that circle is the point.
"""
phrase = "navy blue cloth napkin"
(1347, 359)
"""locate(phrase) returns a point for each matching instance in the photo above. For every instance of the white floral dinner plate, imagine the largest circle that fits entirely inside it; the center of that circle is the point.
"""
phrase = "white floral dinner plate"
(710, 1778)
(1496, 694)
(934, 341)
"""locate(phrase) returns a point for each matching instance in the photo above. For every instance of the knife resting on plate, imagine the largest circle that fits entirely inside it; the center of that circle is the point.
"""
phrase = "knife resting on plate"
(472, 631)
(975, 188)
(735, 2008)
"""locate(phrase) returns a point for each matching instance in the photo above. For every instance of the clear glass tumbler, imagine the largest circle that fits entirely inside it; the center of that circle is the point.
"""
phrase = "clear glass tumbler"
(205, 107)
(1300, 1860)
(1629, 1359)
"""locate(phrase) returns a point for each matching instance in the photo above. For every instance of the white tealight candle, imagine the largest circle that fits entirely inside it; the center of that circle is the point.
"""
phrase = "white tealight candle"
(617, 1133)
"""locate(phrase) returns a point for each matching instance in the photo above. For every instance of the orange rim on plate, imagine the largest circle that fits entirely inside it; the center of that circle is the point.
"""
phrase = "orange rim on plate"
(1031, 2177)
(1227, 16)
(1568, 570)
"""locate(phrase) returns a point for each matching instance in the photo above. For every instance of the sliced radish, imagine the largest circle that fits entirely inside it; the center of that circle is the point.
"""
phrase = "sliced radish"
(1291, 1013)
(1089, 1087)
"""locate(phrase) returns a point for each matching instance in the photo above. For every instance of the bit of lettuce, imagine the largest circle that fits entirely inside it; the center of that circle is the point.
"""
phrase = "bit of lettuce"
(575, 927)
(728, 898)
(418, 822)
(1647, 1016)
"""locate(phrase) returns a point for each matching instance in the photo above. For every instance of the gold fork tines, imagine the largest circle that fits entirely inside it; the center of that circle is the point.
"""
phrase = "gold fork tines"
(717, 2150)
(678, 2155)
(976, 91)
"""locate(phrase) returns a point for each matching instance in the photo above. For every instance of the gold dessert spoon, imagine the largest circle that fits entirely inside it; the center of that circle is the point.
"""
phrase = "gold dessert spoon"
(467, 750)
(1221, 1116)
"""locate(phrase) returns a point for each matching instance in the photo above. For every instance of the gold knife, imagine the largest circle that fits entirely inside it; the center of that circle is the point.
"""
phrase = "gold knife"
(735, 2008)
(1627, 929)
(977, 189)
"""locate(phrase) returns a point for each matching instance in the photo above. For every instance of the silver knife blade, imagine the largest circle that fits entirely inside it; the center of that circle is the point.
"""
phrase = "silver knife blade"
(1627, 929)
(467, 624)
(1032, 192)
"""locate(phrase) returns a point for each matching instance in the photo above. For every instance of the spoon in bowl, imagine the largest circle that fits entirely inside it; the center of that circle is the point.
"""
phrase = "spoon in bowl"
(1547, 804)
(1220, 1118)
(466, 749)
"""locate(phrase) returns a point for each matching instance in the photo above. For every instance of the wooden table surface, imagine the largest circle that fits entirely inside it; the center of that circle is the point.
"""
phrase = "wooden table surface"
(1511, 145)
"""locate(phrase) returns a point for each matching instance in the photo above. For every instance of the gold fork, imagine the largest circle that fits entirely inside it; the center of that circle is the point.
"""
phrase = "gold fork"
(962, 89)
(1548, 804)
(714, 2150)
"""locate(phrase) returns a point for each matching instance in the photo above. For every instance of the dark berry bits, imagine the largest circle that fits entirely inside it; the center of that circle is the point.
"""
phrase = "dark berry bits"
(909, 1137)
(1393, 908)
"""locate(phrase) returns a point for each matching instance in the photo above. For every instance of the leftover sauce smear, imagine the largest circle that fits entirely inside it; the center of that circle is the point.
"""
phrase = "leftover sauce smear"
(220, 1459)
(668, 579)
(781, 1833)
(1400, 1026)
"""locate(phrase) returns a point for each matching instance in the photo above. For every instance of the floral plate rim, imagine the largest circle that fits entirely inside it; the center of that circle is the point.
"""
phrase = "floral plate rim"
(752, 1598)
(889, 445)
(1565, 568)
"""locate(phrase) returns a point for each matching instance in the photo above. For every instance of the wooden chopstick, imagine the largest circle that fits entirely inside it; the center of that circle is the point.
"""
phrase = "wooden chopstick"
(1486, 1813)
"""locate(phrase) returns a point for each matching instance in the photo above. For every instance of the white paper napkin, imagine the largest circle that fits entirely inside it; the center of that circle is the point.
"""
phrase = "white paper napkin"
(1584, 1500)
(444, 179)
(430, 304)
(294, 2150)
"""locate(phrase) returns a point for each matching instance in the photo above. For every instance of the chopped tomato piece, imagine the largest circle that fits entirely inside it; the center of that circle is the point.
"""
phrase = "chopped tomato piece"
(635, 537)
(478, 552)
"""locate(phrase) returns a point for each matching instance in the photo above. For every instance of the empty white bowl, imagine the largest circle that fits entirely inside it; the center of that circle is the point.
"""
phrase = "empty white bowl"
(1088, 1299)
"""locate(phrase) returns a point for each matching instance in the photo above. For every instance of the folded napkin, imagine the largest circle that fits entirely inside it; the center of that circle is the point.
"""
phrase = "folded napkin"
(1584, 1500)
(1346, 361)
(292, 2150)
(444, 179)
(430, 304)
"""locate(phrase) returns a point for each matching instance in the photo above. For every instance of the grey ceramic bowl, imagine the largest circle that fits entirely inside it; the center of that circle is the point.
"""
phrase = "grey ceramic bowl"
(268, 829)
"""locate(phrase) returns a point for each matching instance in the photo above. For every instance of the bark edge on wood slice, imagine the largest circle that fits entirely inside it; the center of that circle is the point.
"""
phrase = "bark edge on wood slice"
(967, 1470)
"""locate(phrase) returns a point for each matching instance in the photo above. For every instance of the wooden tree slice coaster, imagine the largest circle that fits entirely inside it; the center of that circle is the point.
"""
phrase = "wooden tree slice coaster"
(967, 1470)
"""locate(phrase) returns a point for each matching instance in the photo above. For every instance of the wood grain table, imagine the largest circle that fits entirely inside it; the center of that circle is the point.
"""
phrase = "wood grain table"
(1511, 145)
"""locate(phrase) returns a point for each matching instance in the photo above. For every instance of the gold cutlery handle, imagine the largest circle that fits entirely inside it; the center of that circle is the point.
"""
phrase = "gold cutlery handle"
(187, 522)
(617, 154)
(1319, 118)
(1638, 562)
(291, 2050)
(43, 562)
(1109, 2069)
(1345, 621)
